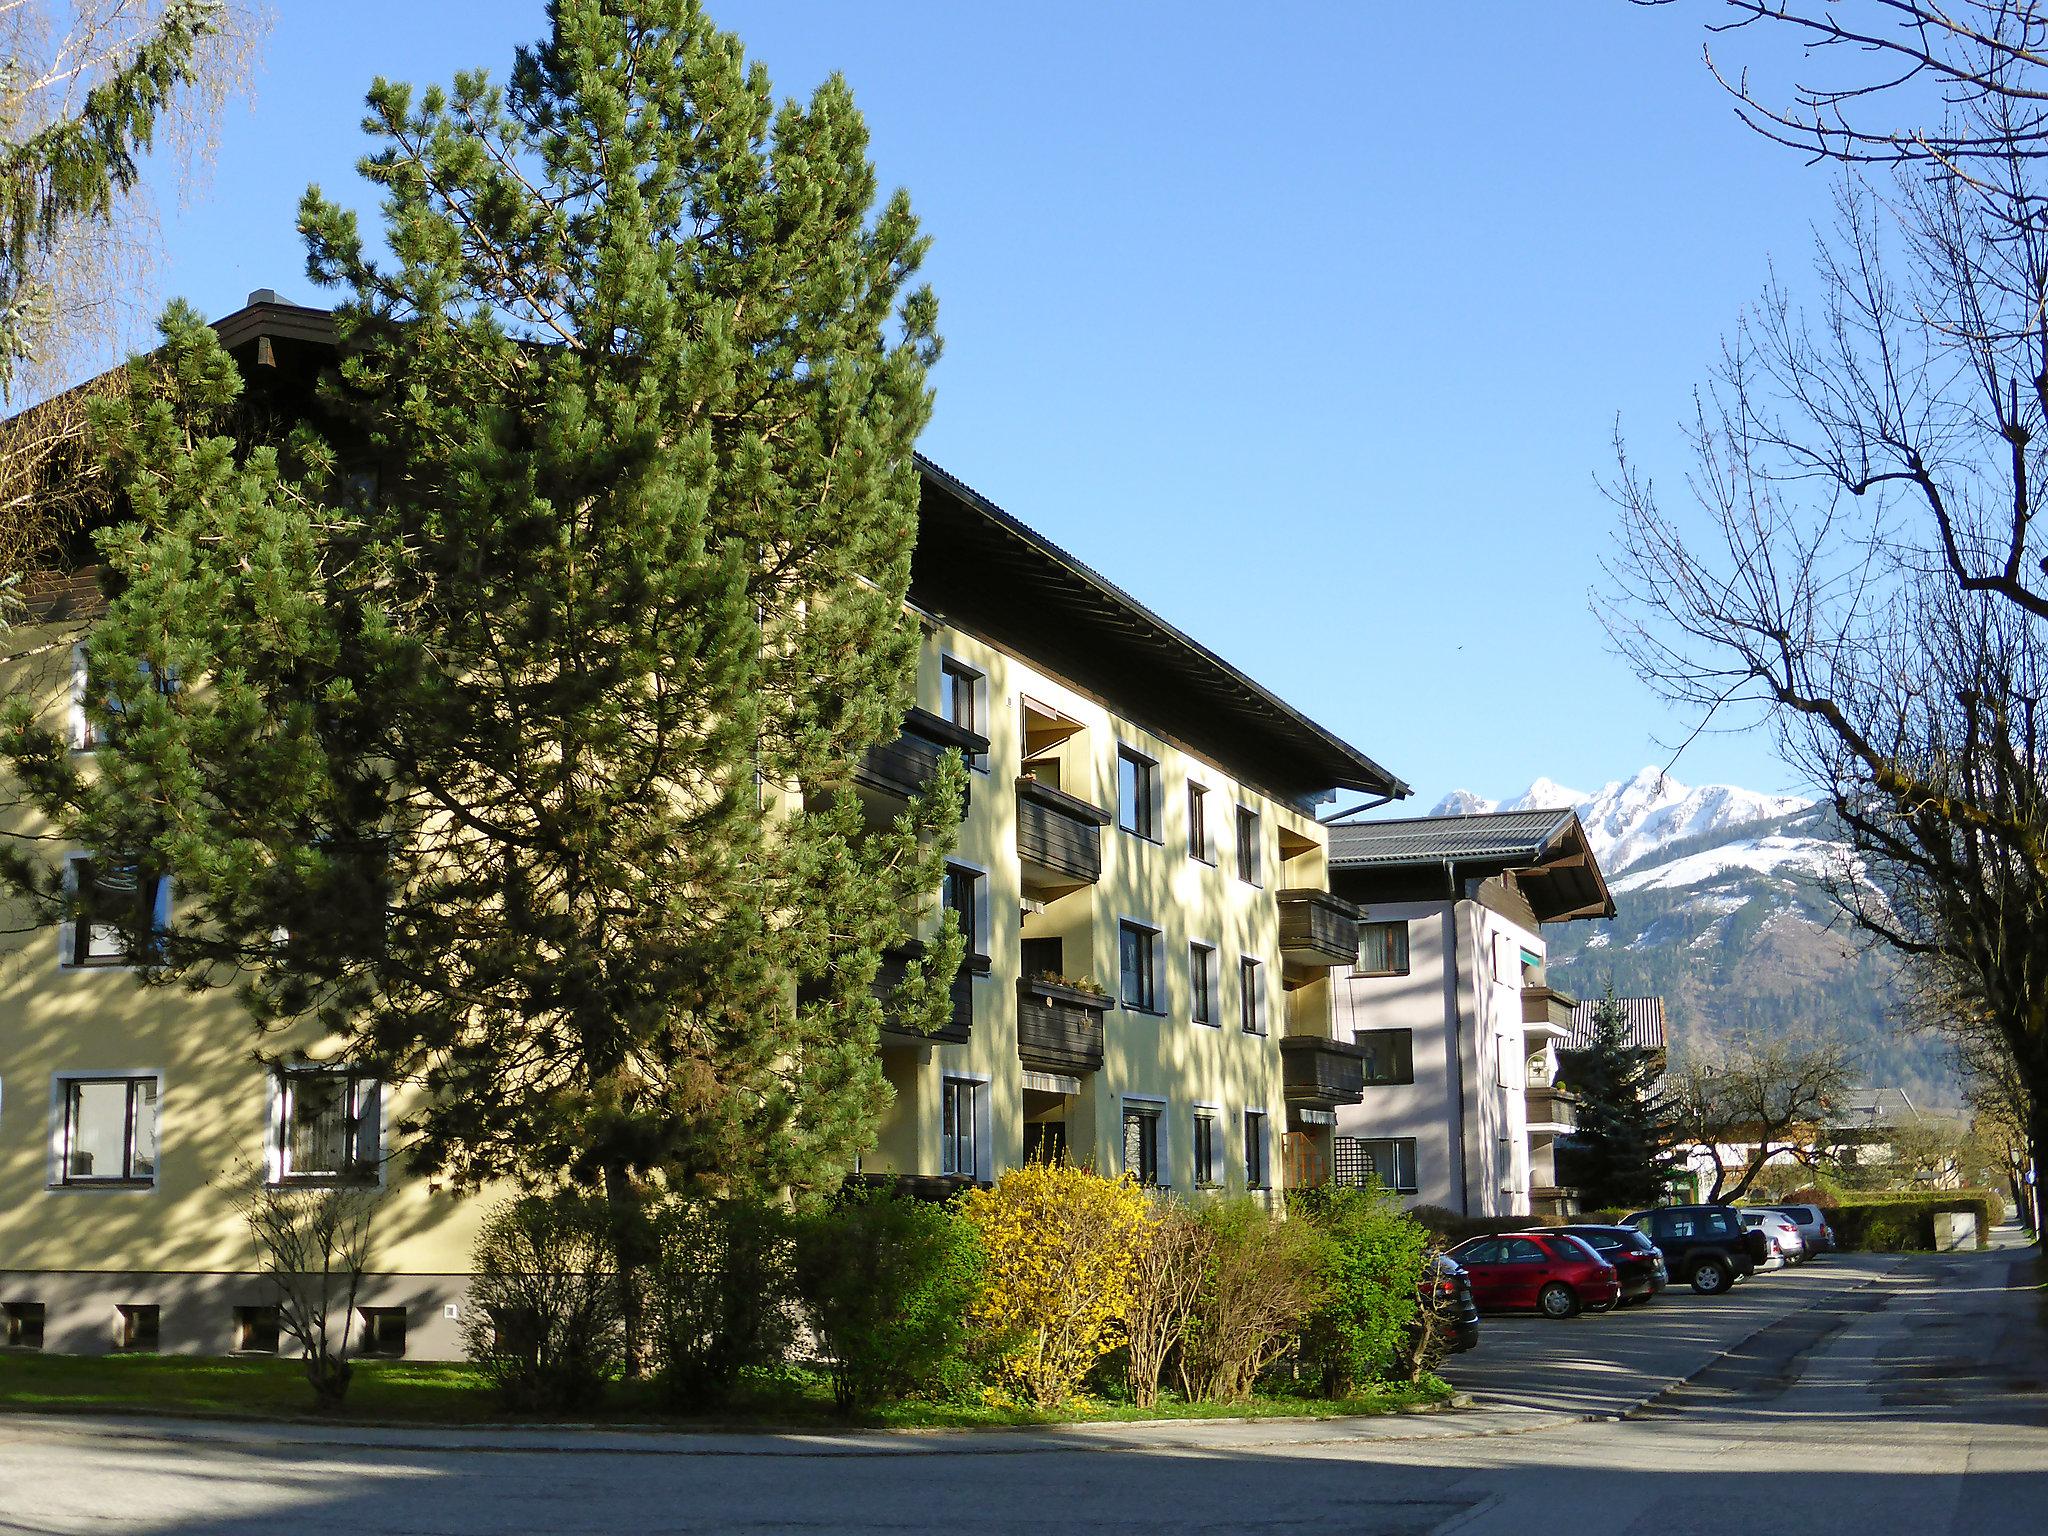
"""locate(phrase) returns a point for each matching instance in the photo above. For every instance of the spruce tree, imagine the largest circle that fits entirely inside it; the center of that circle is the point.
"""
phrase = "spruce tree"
(518, 695)
(1620, 1153)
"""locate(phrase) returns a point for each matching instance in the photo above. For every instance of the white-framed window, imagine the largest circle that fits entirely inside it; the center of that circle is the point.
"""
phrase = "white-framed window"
(85, 733)
(1510, 1071)
(1138, 965)
(1141, 1139)
(1250, 858)
(964, 897)
(1510, 1176)
(1251, 995)
(104, 1129)
(1137, 794)
(327, 1126)
(1382, 950)
(1255, 1149)
(1205, 1146)
(963, 700)
(1200, 844)
(963, 1112)
(1202, 984)
(1393, 1162)
(108, 906)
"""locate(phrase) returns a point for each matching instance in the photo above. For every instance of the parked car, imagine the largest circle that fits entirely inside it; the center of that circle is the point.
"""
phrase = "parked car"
(1638, 1265)
(1813, 1225)
(1782, 1232)
(1449, 1288)
(1704, 1245)
(1550, 1272)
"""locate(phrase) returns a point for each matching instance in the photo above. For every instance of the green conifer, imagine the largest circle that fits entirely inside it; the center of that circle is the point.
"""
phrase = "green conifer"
(1620, 1153)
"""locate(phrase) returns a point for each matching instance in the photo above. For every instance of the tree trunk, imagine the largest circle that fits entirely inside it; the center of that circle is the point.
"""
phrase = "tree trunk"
(2037, 1145)
(630, 1256)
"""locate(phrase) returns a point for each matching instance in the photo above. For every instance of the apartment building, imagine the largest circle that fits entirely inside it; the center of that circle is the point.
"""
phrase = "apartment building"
(1450, 1004)
(1149, 988)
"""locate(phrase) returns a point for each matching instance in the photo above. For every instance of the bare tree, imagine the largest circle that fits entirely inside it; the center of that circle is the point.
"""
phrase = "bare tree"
(1166, 1291)
(1742, 1106)
(314, 1244)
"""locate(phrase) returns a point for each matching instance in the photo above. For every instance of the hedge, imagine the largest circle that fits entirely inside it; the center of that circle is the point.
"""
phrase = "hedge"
(1896, 1221)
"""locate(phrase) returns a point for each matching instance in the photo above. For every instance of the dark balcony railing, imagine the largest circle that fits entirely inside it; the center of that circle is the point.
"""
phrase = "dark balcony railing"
(904, 766)
(1552, 1106)
(1059, 1028)
(1318, 928)
(890, 977)
(1058, 835)
(1320, 1073)
(1546, 1005)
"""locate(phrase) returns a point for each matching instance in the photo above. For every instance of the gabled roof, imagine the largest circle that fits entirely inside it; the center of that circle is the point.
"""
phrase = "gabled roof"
(1645, 1023)
(1546, 850)
(1872, 1106)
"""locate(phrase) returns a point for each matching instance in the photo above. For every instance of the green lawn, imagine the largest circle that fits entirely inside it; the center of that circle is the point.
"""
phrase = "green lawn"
(427, 1392)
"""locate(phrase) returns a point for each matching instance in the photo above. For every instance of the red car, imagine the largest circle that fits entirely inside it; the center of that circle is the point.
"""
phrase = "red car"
(1544, 1271)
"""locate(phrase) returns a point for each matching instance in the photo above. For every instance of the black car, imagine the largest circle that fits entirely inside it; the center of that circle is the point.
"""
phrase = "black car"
(1447, 1292)
(1704, 1245)
(1637, 1262)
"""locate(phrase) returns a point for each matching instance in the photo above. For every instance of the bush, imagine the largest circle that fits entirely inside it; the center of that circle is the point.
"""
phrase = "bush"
(1894, 1222)
(543, 1323)
(1372, 1257)
(719, 1294)
(885, 1283)
(1438, 1312)
(1166, 1288)
(1262, 1278)
(1061, 1247)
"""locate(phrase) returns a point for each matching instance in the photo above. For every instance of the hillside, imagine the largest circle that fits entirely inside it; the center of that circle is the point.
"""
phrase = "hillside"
(1720, 909)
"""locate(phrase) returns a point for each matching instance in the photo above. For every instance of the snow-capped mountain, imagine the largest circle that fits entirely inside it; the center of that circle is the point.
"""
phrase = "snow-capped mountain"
(1721, 909)
(1631, 819)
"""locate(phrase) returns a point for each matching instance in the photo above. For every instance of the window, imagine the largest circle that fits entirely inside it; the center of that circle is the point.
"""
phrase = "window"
(1506, 1153)
(959, 1110)
(1198, 824)
(256, 1331)
(961, 694)
(86, 734)
(1255, 1149)
(1202, 983)
(1205, 1148)
(961, 896)
(383, 1333)
(328, 1126)
(1248, 866)
(21, 1324)
(1138, 959)
(1382, 950)
(1520, 1250)
(1389, 1055)
(135, 1327)
(109, 1130)
(1137, 794)
(1393, 1162)
(1251, 996)
(112, 906)
(1513, 1073)
(1141, 1142)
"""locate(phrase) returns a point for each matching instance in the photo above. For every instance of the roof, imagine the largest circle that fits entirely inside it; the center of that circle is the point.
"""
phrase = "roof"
(1645, 1023)
(1546, 850)
(1872, 1106)
(978, 565)
(57, 597)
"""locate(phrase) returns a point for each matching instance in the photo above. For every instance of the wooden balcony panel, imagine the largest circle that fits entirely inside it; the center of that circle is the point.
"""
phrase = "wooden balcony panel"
(903, 767)
(1059, 833)
(1059, 1029)
(957, 1030)
(1321, 1073)
(1551, 1108)
(1318, 928)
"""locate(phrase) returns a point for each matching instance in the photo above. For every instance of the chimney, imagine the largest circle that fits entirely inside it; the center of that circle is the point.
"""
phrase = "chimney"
(264, 296)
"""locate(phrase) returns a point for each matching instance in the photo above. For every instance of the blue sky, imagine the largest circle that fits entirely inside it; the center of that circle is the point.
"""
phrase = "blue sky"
(1308, 324)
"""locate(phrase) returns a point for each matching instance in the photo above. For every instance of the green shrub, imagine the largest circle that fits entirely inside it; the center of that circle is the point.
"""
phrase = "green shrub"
(885, 1283)
(1897, 1221)
(1262, 1278)
(544, 1323)
(1372, 1261)
(718, 1295)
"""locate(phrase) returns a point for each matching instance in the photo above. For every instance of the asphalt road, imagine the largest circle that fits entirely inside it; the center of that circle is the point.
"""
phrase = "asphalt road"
(1872, 1398)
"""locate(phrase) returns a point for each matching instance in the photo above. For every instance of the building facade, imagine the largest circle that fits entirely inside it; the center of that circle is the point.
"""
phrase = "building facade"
(1139, 869)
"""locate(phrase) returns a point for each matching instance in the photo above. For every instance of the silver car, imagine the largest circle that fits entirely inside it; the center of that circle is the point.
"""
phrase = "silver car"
(1813, 1225)
(1788, 1246)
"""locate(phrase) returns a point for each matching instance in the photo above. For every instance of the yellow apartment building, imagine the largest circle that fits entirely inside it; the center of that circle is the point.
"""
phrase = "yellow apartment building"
(1149, 989)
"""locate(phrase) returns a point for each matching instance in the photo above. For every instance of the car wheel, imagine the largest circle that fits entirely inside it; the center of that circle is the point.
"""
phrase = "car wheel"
(1710, 1277)
(1557, 1300)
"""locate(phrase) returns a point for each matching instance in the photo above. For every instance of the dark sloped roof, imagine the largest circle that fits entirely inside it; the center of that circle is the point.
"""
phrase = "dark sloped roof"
(1645, 1024)
(1546, 851)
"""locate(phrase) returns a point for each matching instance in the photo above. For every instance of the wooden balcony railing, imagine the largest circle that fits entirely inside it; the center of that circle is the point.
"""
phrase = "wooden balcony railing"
(1059, 1028)
(1317, 928)
(1059, 836)
(1321, 1073)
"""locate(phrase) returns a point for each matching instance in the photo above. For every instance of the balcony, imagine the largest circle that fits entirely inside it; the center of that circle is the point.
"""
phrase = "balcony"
(902, 767)
(1547, 1012)
(1059, 838)
(1059, 1028)
(1321, 1074)
(1318, 929)
(890, 976)
(1552, 1111)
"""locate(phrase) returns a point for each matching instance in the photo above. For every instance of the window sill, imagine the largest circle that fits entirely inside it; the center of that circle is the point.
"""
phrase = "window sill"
(1205, 1023)
(1202, 858)
(1143, 837)
(76, 1186)
(323, 1181)
(1148, 1013)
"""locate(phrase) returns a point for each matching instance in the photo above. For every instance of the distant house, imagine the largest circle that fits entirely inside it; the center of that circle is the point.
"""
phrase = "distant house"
(1646, 1030)
(1450, 1003)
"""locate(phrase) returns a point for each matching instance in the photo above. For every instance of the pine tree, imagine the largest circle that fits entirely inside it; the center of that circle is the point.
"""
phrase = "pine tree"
(1620, 1154)
(518, 697)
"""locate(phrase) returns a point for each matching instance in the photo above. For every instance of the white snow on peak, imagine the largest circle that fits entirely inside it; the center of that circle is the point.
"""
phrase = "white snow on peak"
(1771, 855)
(1462, 802)
(1545, 795)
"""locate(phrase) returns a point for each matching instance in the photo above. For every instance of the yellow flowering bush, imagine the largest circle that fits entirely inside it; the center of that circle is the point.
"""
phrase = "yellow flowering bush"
(1062, 1248)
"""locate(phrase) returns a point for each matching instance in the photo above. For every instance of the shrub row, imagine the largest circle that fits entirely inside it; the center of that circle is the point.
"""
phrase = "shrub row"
(1895, 1221)
(1026, 1290)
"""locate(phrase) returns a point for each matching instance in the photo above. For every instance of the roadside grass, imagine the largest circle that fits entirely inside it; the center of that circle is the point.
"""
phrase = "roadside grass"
(402, 1392)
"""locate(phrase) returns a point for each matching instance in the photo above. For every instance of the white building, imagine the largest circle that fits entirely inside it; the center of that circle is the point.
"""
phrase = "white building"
(1448, 1002)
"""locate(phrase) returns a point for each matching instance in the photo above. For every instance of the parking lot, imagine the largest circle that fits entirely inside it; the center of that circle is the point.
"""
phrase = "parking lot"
(1604, 1363)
